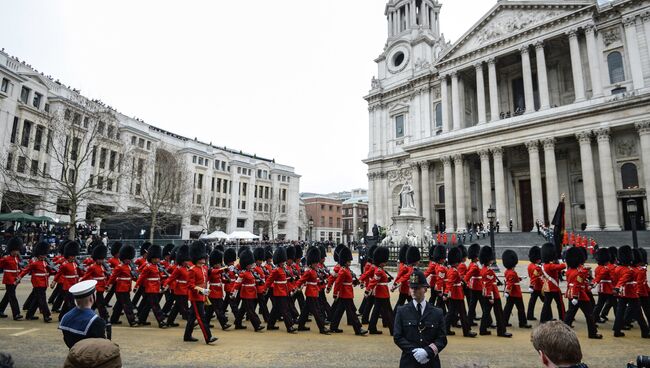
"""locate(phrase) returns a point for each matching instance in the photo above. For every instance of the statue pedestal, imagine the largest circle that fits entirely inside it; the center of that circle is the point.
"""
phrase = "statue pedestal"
(402, 223)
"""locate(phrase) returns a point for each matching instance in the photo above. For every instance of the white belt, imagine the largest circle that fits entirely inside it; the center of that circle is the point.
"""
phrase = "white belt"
(41, 274)
(71, 277)
(476, 277)
(347, 283)
(605, 281)
(248, 285)
(219, 284)
(458, 284)
(153, 279)
(311, 283)
(11, 270)
(124, 278)
(516, 283)
(99, 278)
(383, 283)
(279, 282)
(631, 283)
(181, 281)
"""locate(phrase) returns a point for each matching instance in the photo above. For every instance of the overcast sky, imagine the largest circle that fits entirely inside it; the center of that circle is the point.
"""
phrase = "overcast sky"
(283, 79)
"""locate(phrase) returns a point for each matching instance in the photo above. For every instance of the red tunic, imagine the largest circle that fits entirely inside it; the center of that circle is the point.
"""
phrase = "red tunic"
(229, 280)
(309, 279)
(245, 285)
(473, 277)
(11, 269)
(512, 283)
(150, 278)
(430, 274)
(278, 279)
(122, 278)
(215, 276)
(576, 285)
(113, 262)
(490, 289)
(261, 288)
(380, 283)
(626, 282)
(454, 284)
(462, 270)
(603, 279)
(612, 273)
(441, 277)
(345, 280)
(98, 273)
(331, 278)
(197, 276)
(535, 276)
(68, 275)
(177, 281)
(39, 271)
(642, 281)
(403, 277)
(551, 275)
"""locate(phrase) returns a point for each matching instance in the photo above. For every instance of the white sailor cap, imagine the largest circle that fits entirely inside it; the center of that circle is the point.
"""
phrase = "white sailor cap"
(83, 289)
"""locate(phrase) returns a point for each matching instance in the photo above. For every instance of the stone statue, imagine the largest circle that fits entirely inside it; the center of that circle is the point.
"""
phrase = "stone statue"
(374, 83)
(427, 236)
(375, 232)
(411, 237)
(388, 239)
(406, 200)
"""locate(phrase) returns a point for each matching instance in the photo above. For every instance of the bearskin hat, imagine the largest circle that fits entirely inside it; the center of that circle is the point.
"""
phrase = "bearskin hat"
(371, 253)
(246, 258)
(197, 251)
(584, 254)
(613, 254)
(454, 256)
(61, 246)
(534, 253)
(41, 249)
(336, 252)
(313, 255)
(100, 252)
(94, 244)
(509, 258)
(323, 251)
(298, 252)
(280, 255)
(380, 255)
(573, 257)
(144, 248)
(115, 249)
(625, 255)
(402, 253)
(167, 250)
(258, 253)
(14, 244)
(430, 252)
(72, 249)
(127, 252)
(602, 256)
(229, 256)
(486, 255)
(439, 253)
(463, 251)
(345, 256)
(412, 255)
(291, 252)
(220, 247)
(241, 249)
(548, 253)
(182, 254)
(268, 252)
(154, 251)
(644, 256)
(216, 257)
(636, 256)
(473, 251)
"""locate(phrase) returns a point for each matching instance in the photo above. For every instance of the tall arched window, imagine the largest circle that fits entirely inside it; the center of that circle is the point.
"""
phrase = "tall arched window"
(441, 194)
(616, 69)
(438, 116)
(629, 176)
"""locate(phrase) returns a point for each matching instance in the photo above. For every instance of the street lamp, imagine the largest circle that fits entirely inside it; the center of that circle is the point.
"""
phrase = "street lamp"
(492, 215)
(311, 227)
(631, 211)
(364, 219)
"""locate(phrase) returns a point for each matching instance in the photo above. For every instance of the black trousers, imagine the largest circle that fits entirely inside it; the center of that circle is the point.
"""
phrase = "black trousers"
(312, 305)
(365, 313)
(498, 314)
(40, 302)
(197, 313)
(611, 304)
(68, 303)
(635, 313)
(55, 292)
(603, 300)
(521, 312)
(29, 301)
(299, 298)
(231, 302)
(263, 307)
(280, 308)
(180, 305)
(248, 309)
(381, 306)
(137, 296)
(645, 306)
(457, 312)
(324, 305)
(169, 302)
(10, 298)
(109, 295)
(536, 294)
(440, 302)
(150, 302)
(547, 313)
(100, 304)
(58, 298)
(215, 309)
(475, 297)
(401, 300)
(123, 303)
(347, 306)
(588, 310)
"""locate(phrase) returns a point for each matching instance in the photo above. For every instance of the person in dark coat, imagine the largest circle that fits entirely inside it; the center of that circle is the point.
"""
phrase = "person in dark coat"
(419, 330)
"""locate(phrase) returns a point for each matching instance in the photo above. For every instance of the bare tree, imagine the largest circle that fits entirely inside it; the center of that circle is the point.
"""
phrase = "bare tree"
(272, 216)
(209, 212)
(70, 174)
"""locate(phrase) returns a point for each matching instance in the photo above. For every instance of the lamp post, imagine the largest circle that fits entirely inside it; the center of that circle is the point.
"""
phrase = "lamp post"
(631, 211)
(311, 228)
(364, 220)
(492, 215)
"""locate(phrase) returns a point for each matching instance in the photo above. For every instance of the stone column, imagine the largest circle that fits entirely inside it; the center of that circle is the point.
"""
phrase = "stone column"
(542, 78)
(426, 193)
(355, 233)
(486, 183)
(552, 186)
(459, 176)
(644, 133)
(480, 92)
(588, 181)
(422, 16)
(645, 17)
(528, 80)
(414, 21)
(494, 90)
(385, 200)
(535, 181)
(449, 194)
(499, 183)
(576, 66)
(594, 61)
(371, 200)
(455, 101)
(632, 48)
(444, 95)
(610, 202)
(417, 187)
(390, 25)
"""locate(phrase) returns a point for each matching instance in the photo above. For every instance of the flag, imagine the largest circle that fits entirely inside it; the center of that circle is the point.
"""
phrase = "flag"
(558, 227)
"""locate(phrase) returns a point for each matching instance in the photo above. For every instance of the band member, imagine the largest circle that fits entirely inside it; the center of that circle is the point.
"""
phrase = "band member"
(40, 273)
(198, 290)
(280, 298)
(402, 271)
(491, 294)
(536, 281)
(215, 276)
(177, 283)
(97, 271)
(512, 292)
(627, 292)
(11, 266)
(454, 295)
(229, 277)
(309, 280)
(113, 262)
(576, 292)
(263, 273)
(474, 282)
(68, 275)
(140, 264)
(379, 289)
(551, 273)
(603, 284)
(346, 295)
(150, 280)
(121, 281)
(246, 287)
(367, 275)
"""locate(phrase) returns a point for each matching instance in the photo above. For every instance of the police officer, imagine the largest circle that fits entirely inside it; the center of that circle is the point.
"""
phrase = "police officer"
(419, 327)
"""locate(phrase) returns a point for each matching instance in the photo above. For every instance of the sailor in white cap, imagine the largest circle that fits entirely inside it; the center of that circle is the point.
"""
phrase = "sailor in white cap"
(82, 322)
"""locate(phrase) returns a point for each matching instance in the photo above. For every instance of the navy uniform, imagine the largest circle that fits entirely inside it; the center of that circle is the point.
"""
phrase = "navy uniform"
(419, 330)
(82, 323)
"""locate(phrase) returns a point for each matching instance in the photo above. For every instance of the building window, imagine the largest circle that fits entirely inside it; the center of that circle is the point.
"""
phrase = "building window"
(630, 176)
(438, 116)
(201, 161)
(77, 120)
(24, 94)
(193, 159)
(22, 162)
(67, 115)
(37, 100)
(399, 126)
(111, 161)
(86, 122)
(140, 142)
(5, 85)
(441, 194)
(27, 130)
(148, 145)
(38, 137)
(241, 223)
(34, 168)
(102, 158)
(616, 69)
(200, 183)
(10, 159)
(133, 140)
(14, 130)
(93, 156)
(110, 131)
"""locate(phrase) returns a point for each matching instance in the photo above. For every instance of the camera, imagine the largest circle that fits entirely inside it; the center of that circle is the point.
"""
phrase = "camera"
(642, 361)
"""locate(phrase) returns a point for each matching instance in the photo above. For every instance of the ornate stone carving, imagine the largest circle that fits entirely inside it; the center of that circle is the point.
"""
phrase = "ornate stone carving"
(643, 127)
(497, 152)
(484, 154)
(533, 146)
(584, 137)
(611, 36)
(374, 83)
(539, 45)
(479, 66)
(629, 21)
(549, 143)
(458, 159)
(602, 134)
(401, 175)
(425, 165)
(590, 28)
(513, 22)
(446, 160)
(524, 50)
(572, 33)
(421, 63)
(491, 61)
(436, 93)
(626, 147)
(645, 17)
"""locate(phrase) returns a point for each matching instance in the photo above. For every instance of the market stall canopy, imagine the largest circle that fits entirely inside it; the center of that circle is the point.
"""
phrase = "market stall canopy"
(19, 216)
(243, 235)
(216, 235)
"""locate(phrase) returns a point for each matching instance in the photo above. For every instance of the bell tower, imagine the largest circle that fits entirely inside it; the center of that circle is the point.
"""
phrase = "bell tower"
(405, 16)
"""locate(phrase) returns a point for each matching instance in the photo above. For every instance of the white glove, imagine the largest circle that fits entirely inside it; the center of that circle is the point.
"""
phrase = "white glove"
(506, 295)
(574, 301)
(231, 268)
(530, 289)
(421, 355)
(206, 292)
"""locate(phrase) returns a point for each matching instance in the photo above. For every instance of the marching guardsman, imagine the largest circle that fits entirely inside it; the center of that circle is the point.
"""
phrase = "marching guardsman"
(68, 275)
(98, 272)
(346, 295)
(140, 263)
(431, 275)
(331, 278)
(177, 283)
(536, 281)
(268, 267)
(56, 298)
(401, 282)
(280, 297)
(455, 296)
(576, 292)
(491, 295)
(167, 265)
(643, 290)
(11, 266)
(402, 270)
(365, 278)
(551, 270)
(113, 262)
(151, 280)
(309, 280)
(297, 295)
(246, 287)
(121, 280)
(512, 292)
(40, 273)
(612, 267)
(603, 284)
(322, 298)
(474, 282)
(628, 296)
(215, 277)
(229, 277)
(198, 290)
(262, 273)
(291, 279)
(439, 256)
(379, 289)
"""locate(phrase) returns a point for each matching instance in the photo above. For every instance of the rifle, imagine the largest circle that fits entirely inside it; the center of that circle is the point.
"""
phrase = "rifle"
(163, 270)
(80, 265)
(134, 271)
(258, 278)
(54, 267)
(107, 268)
(390, 277)
(355, 280)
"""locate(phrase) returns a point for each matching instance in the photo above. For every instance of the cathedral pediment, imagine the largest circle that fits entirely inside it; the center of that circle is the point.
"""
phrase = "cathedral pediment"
(509, 18)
